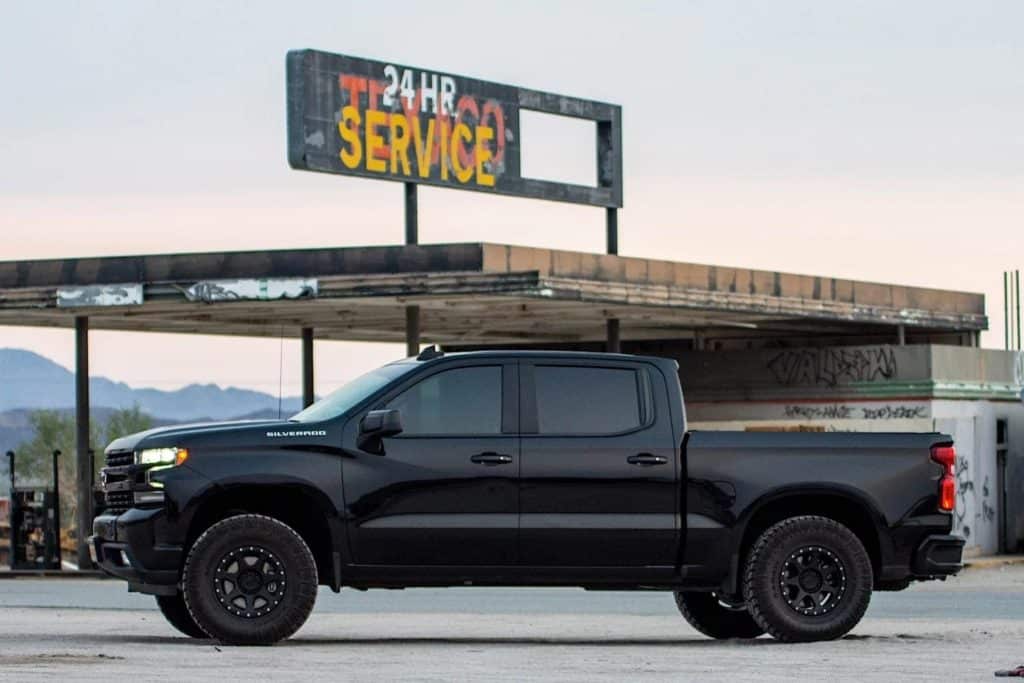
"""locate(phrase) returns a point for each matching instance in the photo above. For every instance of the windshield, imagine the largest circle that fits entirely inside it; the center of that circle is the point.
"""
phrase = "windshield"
(352, 393)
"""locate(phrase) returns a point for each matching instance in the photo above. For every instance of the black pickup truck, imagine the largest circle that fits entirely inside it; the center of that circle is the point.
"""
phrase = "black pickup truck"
(522, 469)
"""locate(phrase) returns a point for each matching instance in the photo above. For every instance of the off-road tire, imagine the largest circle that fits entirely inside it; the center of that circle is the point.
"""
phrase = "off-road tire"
(763, 579)
(287, 548)
(706, 614)
(176, 613)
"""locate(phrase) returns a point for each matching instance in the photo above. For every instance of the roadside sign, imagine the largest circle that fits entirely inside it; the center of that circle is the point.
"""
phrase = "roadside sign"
(360, 117)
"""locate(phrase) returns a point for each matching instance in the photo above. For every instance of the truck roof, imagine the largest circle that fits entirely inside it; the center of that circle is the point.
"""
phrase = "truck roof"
(431, 353)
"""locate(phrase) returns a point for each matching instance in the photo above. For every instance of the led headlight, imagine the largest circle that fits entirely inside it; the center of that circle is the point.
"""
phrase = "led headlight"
(161, 456)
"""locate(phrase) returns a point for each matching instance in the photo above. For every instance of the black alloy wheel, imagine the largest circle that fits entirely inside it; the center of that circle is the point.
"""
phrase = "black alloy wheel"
(249, 582)
(813, 580)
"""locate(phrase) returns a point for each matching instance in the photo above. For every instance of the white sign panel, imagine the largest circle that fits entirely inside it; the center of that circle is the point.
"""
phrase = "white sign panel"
(99, 295)
(210, 291)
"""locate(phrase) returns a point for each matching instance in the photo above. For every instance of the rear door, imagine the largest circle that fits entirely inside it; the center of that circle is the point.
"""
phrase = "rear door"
(599, 468)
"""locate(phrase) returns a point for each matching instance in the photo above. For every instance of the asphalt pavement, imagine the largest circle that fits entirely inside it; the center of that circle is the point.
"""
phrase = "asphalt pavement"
(962, 629)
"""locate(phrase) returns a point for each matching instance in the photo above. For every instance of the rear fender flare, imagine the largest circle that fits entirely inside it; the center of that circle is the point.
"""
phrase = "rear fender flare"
(793, 492)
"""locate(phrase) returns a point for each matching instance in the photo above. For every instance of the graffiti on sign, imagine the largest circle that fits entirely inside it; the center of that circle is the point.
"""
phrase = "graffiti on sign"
(99, 295)
(833, 366)
(381, 120)
(209, 291)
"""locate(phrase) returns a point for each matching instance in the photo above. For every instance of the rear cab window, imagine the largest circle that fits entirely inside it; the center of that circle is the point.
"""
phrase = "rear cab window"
(591, 399)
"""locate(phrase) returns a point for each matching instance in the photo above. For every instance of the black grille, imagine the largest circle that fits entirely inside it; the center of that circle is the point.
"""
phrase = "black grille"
(120, 458)
(119, 501)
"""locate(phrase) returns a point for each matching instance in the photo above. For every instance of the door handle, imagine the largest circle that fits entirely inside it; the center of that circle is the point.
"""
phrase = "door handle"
(491, 458)
(646, 459)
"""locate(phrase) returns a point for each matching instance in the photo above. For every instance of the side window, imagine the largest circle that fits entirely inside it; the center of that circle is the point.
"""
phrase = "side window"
(458, 401)
(587, 400)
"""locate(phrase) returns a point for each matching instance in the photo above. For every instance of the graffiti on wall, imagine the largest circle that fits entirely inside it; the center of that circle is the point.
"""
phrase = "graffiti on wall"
(964, 496)
(833, 366)
(988, 513)
(844, 411)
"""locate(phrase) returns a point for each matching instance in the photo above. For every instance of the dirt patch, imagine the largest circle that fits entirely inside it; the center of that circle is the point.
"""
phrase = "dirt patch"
(58, 658)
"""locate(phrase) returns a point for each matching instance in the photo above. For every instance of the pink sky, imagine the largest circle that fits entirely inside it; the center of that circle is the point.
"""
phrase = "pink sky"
(884, 144)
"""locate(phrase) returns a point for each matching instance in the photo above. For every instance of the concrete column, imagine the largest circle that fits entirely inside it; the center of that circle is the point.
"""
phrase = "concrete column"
(82, 460)
(412, 330)
(613, 345)
(308, 393)
(901, 335)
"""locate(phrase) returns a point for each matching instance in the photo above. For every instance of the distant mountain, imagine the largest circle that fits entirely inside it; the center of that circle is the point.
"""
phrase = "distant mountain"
(30, 381)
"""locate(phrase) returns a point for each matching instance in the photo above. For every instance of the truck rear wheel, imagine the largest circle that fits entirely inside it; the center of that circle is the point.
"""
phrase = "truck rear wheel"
(176, 613)
(708, 615)
(250, 580)
(807, 578)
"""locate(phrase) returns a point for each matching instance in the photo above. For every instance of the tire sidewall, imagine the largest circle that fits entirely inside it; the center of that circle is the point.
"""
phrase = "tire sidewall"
(300, 580)
(177, 615)
(704, 612)
(763, 591)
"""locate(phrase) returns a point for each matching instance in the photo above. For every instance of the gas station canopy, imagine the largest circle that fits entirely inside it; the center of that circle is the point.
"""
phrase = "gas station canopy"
(467, 294)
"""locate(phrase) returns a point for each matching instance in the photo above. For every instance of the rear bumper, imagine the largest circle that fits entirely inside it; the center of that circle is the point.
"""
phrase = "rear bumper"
(938, 555)
(125, 547)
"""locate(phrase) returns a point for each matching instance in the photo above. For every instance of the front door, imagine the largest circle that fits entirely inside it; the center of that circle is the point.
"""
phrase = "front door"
(445, 491)
(599, 470)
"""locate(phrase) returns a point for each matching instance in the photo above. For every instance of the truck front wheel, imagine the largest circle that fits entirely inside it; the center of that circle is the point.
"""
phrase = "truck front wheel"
(708, 615)
(807, 578)
(250, 580)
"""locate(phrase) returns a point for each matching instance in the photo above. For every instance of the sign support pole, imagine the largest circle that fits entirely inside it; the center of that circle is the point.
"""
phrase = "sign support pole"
(613, 343)
(612, 229)
(412, 229)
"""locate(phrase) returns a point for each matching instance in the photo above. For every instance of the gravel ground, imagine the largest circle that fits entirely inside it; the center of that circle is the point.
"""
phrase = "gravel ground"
(963, 629)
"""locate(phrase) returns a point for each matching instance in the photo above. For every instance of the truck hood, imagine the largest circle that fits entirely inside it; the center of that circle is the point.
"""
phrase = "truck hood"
(183, 435)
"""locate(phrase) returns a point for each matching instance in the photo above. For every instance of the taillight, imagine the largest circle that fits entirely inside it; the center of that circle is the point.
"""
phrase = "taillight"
(946, 456)
(947, 493)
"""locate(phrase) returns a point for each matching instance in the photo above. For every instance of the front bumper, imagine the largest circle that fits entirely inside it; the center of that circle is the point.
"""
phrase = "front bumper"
(125, 546)
(938, 555)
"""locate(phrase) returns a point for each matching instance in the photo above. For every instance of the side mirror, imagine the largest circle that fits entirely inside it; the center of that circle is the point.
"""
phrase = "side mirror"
(376, 425)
